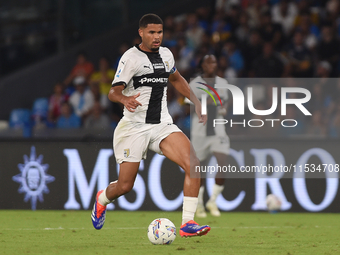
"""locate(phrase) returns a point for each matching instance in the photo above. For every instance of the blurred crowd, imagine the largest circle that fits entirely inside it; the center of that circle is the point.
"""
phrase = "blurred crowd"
(81, 99)
(269, 39)
(250, 39)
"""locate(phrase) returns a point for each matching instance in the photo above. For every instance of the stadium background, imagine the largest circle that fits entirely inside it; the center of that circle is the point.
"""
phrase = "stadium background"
(40, 42)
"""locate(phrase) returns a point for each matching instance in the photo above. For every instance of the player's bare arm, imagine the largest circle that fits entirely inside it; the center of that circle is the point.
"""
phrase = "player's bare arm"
(116, 95)
(182, 86)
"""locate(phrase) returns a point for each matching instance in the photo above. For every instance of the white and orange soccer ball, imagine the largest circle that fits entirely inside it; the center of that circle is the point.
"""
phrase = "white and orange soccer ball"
(273, 203)
(161, 231)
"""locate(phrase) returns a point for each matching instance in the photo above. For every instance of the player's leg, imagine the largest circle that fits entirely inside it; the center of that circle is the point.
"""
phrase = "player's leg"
(130, 146)
(124, 184)
(178, 148)
(218, 186)
(202, 149)
(126, 179)
(200, 211)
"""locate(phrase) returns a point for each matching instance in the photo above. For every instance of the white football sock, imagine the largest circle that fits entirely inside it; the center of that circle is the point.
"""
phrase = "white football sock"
(102, 199)
(189, 208)
(200, 195)
(217, 189)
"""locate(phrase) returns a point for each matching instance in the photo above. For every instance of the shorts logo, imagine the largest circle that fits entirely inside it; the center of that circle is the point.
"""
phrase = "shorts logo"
(126, 153)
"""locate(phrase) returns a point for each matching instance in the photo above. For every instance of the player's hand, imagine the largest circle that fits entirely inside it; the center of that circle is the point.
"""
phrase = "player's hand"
(131, 103)
(221, 110)
(201, 118)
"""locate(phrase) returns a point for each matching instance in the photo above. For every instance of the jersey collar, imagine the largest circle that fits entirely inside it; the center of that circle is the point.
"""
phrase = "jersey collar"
(146, 52)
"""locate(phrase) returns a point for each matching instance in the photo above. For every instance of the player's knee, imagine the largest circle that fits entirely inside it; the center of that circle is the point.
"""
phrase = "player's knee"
(126, 187)
(192, 163)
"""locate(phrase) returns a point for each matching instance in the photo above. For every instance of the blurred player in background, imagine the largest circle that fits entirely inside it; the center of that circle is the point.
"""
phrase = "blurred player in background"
(140, 85)
(207, 140)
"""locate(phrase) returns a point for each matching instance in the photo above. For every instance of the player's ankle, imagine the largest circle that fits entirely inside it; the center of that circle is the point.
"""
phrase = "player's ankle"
(103, 200)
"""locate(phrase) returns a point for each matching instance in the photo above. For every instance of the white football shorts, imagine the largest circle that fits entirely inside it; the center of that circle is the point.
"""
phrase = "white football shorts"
(131, 140)
(205, 146)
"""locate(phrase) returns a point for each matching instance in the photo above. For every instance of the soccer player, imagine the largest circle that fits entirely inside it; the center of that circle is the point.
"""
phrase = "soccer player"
(207, 140)
(140, 85)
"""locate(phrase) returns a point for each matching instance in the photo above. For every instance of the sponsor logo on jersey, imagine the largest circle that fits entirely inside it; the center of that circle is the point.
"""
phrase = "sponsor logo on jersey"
(158, 65)
(153, 80)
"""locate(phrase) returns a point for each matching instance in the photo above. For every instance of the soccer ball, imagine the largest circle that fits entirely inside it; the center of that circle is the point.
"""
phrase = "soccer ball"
(273, 203)
(161, 231)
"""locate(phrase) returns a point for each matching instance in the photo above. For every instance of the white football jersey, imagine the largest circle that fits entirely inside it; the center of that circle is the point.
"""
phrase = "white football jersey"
(146, 73)
(197, 129)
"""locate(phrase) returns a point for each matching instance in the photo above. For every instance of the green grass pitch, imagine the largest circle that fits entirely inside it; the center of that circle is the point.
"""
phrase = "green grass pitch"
(71, 232)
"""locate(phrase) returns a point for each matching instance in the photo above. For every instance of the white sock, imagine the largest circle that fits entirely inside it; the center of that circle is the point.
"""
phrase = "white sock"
(217, 189)
(102, 199)
(200, 195)
(189, 208)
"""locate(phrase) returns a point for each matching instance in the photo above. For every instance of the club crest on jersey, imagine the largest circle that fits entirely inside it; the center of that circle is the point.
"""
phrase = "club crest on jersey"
(167, 65)
(126, 153)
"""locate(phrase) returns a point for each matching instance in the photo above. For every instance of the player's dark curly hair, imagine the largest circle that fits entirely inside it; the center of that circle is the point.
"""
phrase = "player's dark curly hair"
(149, 18)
